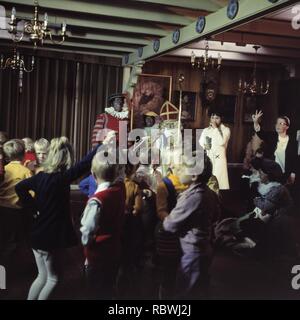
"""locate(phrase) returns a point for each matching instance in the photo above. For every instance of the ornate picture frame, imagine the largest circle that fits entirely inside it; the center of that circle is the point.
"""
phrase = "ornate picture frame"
(150, 93)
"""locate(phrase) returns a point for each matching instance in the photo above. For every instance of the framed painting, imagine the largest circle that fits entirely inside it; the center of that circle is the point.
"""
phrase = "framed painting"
(250, 104)
(226, 104)
(188, 104)
(150, 94)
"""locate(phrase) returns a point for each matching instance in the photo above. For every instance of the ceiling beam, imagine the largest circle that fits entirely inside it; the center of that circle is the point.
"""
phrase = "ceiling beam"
(92, 23)
(107, 38)
(71, 50)
(272, 27)
(259, 39)
(97, 46)
(109, 10)
(216, 22)
(206, 5)
(87, 46)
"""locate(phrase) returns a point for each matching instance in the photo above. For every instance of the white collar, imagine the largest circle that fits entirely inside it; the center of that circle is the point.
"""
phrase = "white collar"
(103, 186)
(119, 115)
(222, 126)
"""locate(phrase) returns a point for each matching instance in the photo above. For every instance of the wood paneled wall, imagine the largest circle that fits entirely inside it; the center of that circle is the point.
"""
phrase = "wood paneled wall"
(228, 84)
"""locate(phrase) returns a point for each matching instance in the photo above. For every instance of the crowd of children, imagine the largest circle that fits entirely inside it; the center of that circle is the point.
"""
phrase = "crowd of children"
(132, 211)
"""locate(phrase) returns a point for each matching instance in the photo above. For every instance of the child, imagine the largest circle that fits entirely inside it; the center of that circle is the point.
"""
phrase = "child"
(52, 230)
(270, 228)
(147, 177)
(11, 212)
(30, 157)
(192, 220)
(132, 232)
(168, 250)
(41, 148)
(101, 229)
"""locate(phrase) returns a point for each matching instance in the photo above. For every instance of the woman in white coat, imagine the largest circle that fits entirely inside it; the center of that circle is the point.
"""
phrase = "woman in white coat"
(214, 140)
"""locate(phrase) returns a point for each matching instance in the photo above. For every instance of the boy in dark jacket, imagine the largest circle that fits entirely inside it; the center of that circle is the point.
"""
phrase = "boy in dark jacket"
(192, 220)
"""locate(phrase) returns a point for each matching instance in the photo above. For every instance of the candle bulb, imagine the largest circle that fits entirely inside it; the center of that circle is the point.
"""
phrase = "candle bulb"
(64, 27)
(13, 14)
(32, 60)
(193, 56)
(45, 20)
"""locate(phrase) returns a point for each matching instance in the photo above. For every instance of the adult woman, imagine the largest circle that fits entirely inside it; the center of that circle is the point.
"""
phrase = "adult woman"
(214, 140)
(279, 145)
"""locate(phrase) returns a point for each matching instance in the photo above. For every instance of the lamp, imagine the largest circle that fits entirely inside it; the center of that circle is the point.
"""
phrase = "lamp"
(253, 87)
(37, 31)
(206, 62)
(17, 63)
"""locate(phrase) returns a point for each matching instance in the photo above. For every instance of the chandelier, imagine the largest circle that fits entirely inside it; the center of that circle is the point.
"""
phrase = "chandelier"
(36, 30)
(253, 87)
(206, 62)
(17, 63)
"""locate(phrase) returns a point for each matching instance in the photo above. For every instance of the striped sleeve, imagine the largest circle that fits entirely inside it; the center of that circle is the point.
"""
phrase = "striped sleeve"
(99, 125)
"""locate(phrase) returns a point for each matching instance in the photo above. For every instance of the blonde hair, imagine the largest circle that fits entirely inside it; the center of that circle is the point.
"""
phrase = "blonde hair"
(42, 144)
(29, 146)
(14, 149)
(60, 157)
(104, 170)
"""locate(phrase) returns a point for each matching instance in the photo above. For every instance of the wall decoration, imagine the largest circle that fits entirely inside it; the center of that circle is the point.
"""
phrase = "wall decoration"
(176, 36)
(188, 104)
(200, 24)
(150, 94)
(156, 45)
(232, 9)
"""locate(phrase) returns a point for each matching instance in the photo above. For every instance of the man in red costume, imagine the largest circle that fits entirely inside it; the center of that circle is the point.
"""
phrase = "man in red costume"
(110, 119)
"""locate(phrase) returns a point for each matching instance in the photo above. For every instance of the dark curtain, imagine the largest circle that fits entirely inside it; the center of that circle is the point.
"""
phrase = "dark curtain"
(59, 98)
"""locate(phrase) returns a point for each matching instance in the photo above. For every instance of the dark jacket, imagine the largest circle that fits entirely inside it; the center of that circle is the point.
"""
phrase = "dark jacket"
(291, 153)
(193, 217)
(52, 228)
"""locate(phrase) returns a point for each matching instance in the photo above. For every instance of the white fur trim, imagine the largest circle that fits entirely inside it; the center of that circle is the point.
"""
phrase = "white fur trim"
(118, 115)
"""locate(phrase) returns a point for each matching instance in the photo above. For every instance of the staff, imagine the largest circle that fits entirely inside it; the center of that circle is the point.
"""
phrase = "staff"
(181, 79)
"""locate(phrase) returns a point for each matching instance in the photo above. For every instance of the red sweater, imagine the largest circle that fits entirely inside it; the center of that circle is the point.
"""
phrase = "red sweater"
(29, 156)
(107, 243)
